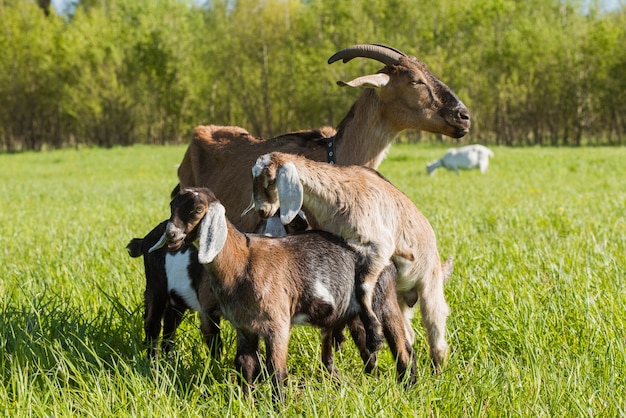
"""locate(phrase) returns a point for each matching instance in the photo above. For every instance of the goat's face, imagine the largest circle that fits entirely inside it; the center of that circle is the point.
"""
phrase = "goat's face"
(264, 190)
(415, 99)
(188, 208)
(276, 185)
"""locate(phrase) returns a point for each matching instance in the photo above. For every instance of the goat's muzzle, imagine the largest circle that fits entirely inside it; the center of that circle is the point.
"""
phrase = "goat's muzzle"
(461, 121)
(264, 210)
(264, 213)
(174, 237)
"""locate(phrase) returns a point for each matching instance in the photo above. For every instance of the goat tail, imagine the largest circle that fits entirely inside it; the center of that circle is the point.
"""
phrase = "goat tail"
(447, 267)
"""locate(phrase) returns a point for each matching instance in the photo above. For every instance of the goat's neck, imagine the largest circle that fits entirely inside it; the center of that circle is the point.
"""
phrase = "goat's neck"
(229, 264)
(364, 136)
(317, 194)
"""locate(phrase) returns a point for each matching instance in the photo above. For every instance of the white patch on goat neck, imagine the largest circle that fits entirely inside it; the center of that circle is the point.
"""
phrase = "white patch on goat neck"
(178, 280)
(321, 291)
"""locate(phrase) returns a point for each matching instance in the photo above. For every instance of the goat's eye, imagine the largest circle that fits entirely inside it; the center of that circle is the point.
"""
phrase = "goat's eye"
(416, 82)
(271, 182)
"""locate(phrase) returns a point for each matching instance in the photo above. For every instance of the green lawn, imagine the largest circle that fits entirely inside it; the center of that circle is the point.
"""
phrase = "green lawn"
(538, 294)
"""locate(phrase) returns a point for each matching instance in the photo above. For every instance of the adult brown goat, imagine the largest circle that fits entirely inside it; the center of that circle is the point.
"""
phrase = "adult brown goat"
(402, 95)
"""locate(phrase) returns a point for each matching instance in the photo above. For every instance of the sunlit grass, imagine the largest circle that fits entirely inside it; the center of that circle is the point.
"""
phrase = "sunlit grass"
(538, 294)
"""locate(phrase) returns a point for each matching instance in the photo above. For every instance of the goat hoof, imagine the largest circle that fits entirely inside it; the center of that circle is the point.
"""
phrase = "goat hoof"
(372, 370)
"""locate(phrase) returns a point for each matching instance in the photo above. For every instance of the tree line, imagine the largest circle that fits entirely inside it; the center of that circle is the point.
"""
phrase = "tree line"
(112, 72)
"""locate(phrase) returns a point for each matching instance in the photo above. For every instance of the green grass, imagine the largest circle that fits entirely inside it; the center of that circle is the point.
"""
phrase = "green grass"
(538, 295)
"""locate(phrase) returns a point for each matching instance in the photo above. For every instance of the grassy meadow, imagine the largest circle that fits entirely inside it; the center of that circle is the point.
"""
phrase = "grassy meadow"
(538, 294)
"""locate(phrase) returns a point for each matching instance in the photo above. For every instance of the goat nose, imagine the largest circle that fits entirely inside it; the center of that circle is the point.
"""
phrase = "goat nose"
(463, 114)
(462, 120)
(172, 234)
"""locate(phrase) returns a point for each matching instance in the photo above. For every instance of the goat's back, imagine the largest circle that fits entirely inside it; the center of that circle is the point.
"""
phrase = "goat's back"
(221, 158)
(364, 208)
(307, 277)
(360, 203)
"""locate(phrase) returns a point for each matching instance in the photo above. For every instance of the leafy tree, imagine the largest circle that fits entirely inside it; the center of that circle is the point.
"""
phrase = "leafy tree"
(110, 72)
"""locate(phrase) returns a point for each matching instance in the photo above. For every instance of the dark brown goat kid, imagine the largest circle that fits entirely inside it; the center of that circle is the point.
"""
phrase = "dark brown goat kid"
(265, 285)
(402, 95)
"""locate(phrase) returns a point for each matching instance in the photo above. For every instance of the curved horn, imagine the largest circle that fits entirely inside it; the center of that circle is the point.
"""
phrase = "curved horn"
(381, 53)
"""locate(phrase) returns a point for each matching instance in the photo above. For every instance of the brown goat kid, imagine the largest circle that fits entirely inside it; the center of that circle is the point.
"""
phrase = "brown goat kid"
(265, 285)
(402, 95)
(378, 220)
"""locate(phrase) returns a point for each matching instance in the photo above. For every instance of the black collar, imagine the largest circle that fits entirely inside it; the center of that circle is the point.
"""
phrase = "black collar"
(330, 149)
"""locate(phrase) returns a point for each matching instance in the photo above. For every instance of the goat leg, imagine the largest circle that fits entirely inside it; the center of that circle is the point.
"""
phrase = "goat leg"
(210, 327)
(373, 329)
(394, 330)
(388, 308)
(338, 339)
(276, 345)
(370, 359)
(171, 320)
(368, 273)
(153, 315)
(328, 341)
(434, 315)
(247, 361)
(210, 315)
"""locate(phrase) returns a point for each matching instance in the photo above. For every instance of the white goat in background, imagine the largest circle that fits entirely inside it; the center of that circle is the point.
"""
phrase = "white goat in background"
(465, 158)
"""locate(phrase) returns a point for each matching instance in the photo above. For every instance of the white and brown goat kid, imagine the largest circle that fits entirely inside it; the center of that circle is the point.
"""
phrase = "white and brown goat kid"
(175, 283)
(378, 220)
(266, 284)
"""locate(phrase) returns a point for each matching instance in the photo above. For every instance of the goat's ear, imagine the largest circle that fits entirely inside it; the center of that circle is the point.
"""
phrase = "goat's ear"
(290, 192)
(368, 81)
(160, 243)
(213, 231)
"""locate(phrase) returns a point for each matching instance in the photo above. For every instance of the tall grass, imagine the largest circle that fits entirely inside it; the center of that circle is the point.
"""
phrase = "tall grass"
(538, 294)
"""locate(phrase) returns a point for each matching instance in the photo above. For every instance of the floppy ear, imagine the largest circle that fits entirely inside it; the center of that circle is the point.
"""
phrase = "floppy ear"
(213, 231)
(159, 244)
(290, 192)
(367, 81)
